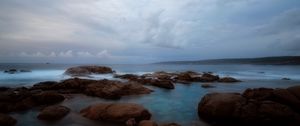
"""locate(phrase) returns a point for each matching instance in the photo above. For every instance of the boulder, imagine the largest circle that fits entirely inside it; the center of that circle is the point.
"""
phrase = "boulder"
(207, 77)
(219, 106)
(6, 120)
(87, 70)
(228, 80)
(285, 97)
(295, 90)
(131, 77)
(167, 84)
(115, 89)
(258, 93)
(147, 123)
(53, 113)
(116, 112)
(48, 98)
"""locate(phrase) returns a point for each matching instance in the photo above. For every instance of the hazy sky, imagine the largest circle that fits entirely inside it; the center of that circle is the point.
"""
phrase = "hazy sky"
(143, 31)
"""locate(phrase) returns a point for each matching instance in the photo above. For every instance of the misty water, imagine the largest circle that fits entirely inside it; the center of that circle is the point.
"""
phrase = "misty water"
(178, 105)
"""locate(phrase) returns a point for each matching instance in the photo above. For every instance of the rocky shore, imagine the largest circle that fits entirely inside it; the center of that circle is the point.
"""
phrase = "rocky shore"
(253, 107)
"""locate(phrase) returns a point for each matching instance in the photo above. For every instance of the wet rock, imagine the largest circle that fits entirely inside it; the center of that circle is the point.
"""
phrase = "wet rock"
(170, 124)
(47, 85)
(219, 106)
(4, 88)
(167, 84)
(48, 98)
(295, 90)
(6, 120)
(115, 89)
(24, 71)
(207, 86)
(285, 78)
(53, 113)
(116, 112)
(147, 123)
(207, 77)
(11, 71)
(131, 77)
(261, 106)
(87, 70)
(228, 80)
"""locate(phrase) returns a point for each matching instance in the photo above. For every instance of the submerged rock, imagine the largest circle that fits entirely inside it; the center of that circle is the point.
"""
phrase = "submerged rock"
(87, 70)
(207, 86)
(53, 113)
(116, 112)
(11, 71)
(228, 80)
(147, 123)
(6, 120)
(254, 107)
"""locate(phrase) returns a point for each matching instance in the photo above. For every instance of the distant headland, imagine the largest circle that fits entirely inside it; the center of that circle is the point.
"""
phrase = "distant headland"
(278, 60)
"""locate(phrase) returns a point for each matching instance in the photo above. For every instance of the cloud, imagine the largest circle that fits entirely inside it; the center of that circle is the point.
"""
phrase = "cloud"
(149, 30)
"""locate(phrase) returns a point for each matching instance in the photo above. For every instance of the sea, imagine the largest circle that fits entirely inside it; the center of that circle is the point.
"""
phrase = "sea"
(178, 105)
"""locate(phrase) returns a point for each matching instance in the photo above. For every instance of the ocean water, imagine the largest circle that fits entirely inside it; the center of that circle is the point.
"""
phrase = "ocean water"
(178, 105)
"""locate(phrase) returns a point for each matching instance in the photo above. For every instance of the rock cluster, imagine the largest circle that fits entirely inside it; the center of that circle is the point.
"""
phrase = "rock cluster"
(108, 89)
(87, 70)
(260, 106)
(167, 80)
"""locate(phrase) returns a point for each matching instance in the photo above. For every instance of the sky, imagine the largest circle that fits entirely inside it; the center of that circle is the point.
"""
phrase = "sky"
(145, 31)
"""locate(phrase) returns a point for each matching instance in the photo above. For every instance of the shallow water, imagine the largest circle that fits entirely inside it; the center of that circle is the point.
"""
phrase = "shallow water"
(178, 105)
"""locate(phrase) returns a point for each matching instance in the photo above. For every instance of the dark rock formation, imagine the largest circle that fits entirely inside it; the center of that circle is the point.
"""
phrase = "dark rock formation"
(228, 80)
(6, 120)
(87, 70)
(116, 112)
(147, 123)
(53, 113)
(207, 86)
(170, 124)
(261, 106)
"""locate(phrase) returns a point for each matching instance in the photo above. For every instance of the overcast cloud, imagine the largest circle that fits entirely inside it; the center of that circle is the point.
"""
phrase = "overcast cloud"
(144, 31)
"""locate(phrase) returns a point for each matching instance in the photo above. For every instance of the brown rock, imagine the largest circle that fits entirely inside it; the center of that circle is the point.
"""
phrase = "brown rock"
(207, 86)
(6, 120)
(115, 89)
(147, 123)
(295, 90)
(53, 113)
(116, 112)
(48, 98)
(285, 97)
(167, 84)
(258, 93)
(170, 124)
(228, 80)
(87, 70)
(219, 106)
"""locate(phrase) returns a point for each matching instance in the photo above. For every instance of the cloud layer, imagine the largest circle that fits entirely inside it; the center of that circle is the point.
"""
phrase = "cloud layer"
(141, 31)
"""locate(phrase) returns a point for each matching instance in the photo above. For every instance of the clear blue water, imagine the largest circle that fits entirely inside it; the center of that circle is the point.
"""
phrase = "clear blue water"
(178, 105)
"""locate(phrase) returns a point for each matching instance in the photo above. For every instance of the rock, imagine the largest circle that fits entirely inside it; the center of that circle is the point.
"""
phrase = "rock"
(87, 70)
(219, 106)
(285, 78)
(48, 98)
(4, 88)
(228, 80)
(285, 97)
(116, 112)
(170, 124)
(11, 71)
(147, 123)
(47, 85)
(207, 86)
(6, 120)
(261, 106)
(115, 89)
(53, 113)
(295, 90)
(167, 84)
(258, 93)
(131, 77)
(25, 71)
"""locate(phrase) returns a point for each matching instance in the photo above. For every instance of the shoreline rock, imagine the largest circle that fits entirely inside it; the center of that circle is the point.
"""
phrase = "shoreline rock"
(252, 107)
(87, 70)
(51, 113)
(6, 120)
(116, 112)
